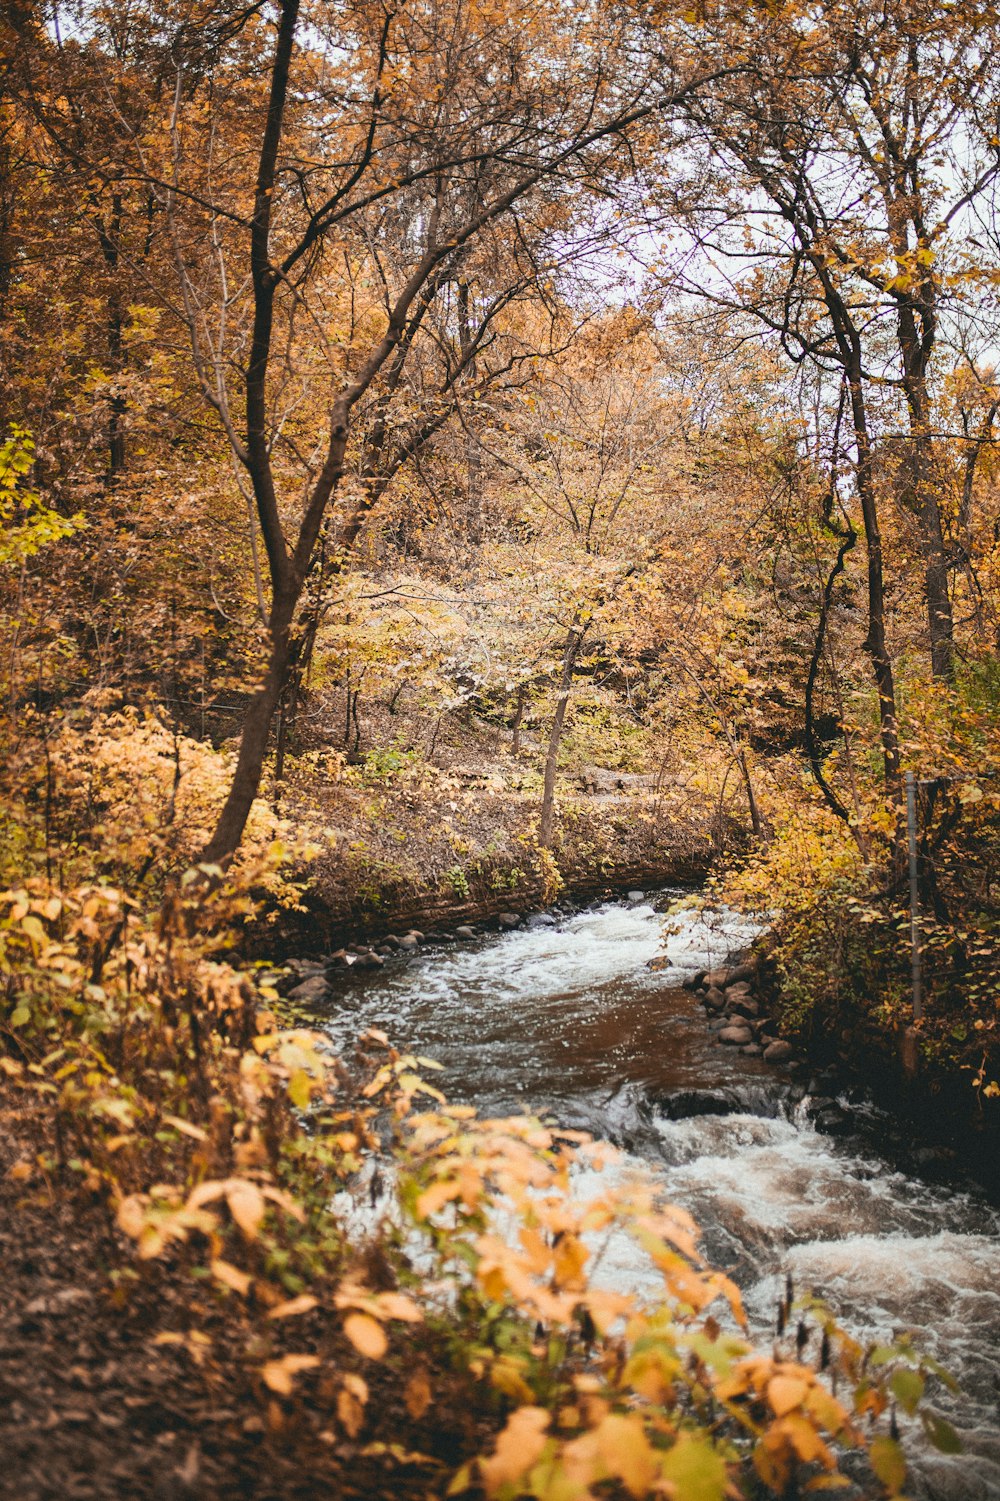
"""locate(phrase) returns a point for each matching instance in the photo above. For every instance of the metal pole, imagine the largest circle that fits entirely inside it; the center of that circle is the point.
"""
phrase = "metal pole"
(911, 829)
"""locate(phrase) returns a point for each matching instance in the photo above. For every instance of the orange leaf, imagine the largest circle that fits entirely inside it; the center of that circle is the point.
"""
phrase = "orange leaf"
(786, 1392)
(366, 1335)
(246, 1205)
(231, 1276)
(279, 1374)
(517, 1448)
(304, 1303)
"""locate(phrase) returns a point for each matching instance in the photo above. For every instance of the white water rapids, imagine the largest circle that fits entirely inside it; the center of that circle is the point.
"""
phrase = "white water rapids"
(566, 1019)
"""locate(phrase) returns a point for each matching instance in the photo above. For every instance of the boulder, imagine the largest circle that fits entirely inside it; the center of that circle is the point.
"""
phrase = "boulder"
(370, 960)
(409, 942)
(313, 989)
(393, 940)
(778, 1051)
(696, 980)
(715, 999)
(741, 988)
(736, 1037)
(744, 1005)
(509, 920)
(752, 1050)
(305, 968)
(741, 972)
(717, 978)
(465, 932)
(635, 897)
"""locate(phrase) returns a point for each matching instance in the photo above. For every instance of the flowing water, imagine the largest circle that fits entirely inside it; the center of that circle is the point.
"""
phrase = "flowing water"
(564, 1018)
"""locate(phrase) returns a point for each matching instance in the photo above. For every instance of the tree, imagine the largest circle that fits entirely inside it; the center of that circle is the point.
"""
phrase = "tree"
(389, 140)
(862, 136)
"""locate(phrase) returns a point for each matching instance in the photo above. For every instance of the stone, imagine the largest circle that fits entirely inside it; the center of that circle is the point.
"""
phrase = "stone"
(695, 980)
(313, 989)
(715, 999)
(304, 968)
(465, 932)
(717, 979)
(739, 989)
(393, 940)
(635, 897)
(778, 1052)
(409, 942)
(736, 1037)
(752, 1050)
(509, 920)
(747, 971)
(541, 920)
(833, 1121)
(744, 1005)
(416, 933)
(370, 961)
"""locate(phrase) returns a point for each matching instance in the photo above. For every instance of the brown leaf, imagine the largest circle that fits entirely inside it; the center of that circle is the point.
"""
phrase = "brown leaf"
(417, 1395)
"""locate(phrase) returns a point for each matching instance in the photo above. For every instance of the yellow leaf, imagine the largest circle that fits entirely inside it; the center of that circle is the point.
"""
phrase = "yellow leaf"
(195, 1132)
(366, 1335)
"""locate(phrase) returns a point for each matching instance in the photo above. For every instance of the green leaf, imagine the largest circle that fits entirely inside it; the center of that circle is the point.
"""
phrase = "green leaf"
(908, 1387)
(695, 1469)
(888, 1463)
(941, 1434)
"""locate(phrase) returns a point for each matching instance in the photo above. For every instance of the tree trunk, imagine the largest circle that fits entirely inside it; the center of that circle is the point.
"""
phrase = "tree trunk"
(570, 653)
(874, 644)
(253, 744)
(515, 741)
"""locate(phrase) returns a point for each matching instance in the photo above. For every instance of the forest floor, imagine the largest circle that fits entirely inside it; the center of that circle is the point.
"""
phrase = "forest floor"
(412, 839)
(100, 1398)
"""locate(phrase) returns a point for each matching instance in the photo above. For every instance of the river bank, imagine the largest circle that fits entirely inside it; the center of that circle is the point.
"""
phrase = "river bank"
(783, 1167)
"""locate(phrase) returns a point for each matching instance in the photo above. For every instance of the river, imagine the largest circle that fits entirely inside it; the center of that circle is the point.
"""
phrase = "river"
(564, 1018)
